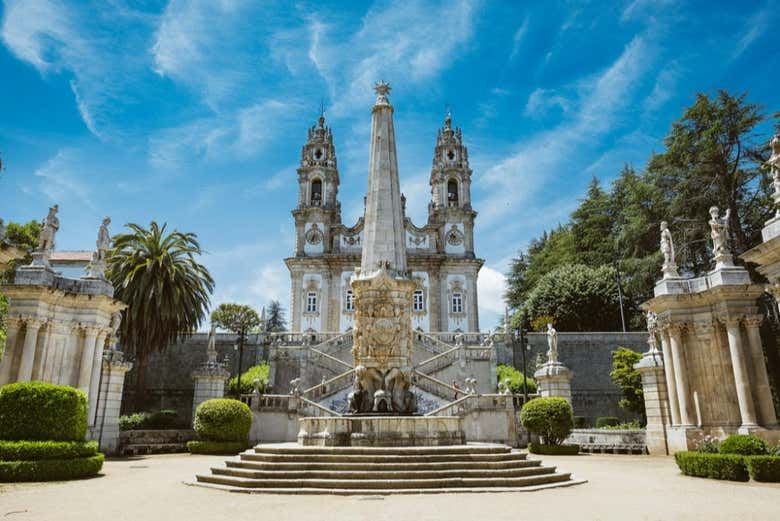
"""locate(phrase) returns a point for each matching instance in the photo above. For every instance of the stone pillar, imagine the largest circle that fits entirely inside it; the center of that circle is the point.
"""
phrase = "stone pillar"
(210, 381)
(94, 379)
(13, 325)
(739, 364)
(554, 379)
(28, 351)
(680, 373)
(761, 390)
(87, 356)
(671, 380)
(106, 428)
(434, 301)
(651, 367)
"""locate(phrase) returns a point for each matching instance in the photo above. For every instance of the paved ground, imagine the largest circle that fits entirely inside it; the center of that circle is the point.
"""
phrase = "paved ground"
(624, 488)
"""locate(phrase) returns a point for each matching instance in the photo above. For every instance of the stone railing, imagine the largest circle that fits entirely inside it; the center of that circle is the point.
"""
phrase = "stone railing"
(287, 403)
(472, 402)
(330, 387)
(331, 362)
(313, 339)
(438, 362)
(309, 408)
(431, 343)
(469, 339)
(435, 386)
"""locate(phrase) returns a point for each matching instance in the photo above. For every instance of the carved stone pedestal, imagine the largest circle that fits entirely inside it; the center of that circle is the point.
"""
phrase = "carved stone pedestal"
(554, 379)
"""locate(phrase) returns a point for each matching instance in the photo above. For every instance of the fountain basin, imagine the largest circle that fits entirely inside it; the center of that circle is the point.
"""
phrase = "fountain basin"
(381, 431)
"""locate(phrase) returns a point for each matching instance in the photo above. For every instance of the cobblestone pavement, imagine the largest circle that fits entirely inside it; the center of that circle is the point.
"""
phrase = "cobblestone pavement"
(624, 488)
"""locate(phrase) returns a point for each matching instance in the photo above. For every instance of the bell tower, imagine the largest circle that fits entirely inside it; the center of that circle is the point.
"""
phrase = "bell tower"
(318, 184)
(450, 206)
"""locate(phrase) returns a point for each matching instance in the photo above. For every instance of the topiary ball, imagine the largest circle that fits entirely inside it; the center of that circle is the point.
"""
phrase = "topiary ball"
(42, 411)
(223, 419)
(744, 444)
(550, 418)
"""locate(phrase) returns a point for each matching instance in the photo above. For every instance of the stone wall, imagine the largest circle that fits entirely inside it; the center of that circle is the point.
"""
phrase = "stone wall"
(589, 357)
(169, 380)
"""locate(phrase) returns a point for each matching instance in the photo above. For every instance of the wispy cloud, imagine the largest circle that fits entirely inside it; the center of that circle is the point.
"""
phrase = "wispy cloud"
(517, 39)
(755, 27)
(491, 285)
(61, 182)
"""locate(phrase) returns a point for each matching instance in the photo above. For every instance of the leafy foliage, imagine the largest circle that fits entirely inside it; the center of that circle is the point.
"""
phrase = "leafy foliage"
(744, 444)
(38, 450)
(24, 237)
(164, 419)
(275, 321)
(166, 289)
(504, 372)
(223, 419)
(578, 297)
(50, 469)
(628, 380)
(42, 411)
(606, 421)
(764, 468)
(236, 318)
(259, 372)
(565, 449)
(550, 418)
(731, 467)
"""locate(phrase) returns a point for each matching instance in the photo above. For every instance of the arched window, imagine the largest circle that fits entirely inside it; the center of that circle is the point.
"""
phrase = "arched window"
(316, 192)
(452, 193)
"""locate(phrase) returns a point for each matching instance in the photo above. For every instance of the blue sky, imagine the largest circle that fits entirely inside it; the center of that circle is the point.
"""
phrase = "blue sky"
(193, 113)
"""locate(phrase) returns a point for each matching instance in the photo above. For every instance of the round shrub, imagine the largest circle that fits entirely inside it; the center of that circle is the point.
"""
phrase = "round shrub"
(606, 421)
(550, 418)
(42, 411)
(223, 419)
(744, 444)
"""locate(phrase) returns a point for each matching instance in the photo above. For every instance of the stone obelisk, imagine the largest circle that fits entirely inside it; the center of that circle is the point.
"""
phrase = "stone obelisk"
(382, 287)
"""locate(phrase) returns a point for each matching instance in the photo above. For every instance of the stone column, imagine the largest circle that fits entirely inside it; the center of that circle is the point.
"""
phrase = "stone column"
(739, 363)
(761, 389)
(28, 351)
(106, 429)
(94, 379)
(209, 383)
(680, 373)
(671, 380)
(554, 379)
(651, 367)
(87, 356)
(39, 368)
(13, 325)
(434, 300)
(473, 316)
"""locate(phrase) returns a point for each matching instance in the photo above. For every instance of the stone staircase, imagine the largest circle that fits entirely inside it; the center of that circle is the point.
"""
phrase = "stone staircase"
(294, 469)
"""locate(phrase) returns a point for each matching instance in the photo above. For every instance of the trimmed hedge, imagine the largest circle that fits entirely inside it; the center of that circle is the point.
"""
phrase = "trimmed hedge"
(164, 419)
(744, 444)
(732, 467)
(567, 449)
(606, 421)
(46, 450)
(42, 411)
(50, 469)
(764, 468)
(216, 447)
(223, 419)
(580, 422)
(550, 418)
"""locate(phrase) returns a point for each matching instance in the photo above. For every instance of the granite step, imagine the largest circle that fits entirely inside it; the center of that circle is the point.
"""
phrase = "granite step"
(349, 466)
(367, 458)
(283, 448)
(380, 474)
(367, 485)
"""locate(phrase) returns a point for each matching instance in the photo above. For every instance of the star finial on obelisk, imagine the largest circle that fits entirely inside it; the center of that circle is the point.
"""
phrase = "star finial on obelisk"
(382, 89)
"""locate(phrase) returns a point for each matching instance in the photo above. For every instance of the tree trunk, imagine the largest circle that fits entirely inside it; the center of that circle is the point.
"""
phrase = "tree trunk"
(140, 382)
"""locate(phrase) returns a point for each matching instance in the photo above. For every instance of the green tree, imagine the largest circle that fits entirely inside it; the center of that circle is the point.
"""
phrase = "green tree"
(238, 319)
(24, 237)
(275, 321)
(167, 291)
(578, 297)
(628, 380)
(592, 227)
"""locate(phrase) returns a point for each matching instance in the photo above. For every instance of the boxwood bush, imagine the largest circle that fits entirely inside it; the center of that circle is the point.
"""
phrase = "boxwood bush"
(223, 419)
(744, 444)
(732, 467)
(42, 411)
(50, 469)
(40, 450)
(164, 419)
(764, 468)
(606, 421)
(567, 449)
(580, 422)
(550, 418)
(216, 447)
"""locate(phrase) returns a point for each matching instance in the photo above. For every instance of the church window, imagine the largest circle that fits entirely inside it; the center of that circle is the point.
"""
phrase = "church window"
(417, 301)
(457, 303)
(452, 193)
(316, 192)
(349, 303)
(311, 302)
(450, 155)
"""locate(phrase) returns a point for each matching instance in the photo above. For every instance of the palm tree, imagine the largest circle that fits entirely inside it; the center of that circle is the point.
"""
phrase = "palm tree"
(166, 290)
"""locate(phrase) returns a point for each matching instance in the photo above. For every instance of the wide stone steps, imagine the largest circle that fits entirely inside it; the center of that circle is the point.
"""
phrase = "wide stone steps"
(288, 468)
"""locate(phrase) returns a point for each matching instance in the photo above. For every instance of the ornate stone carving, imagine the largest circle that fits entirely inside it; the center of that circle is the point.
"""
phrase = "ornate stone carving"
(669, 267)
(2, 230)
(46, 240)
(351, 240)
(774, 165)
(552, 345)
(97, 267)
(719, 232)
(454, 236)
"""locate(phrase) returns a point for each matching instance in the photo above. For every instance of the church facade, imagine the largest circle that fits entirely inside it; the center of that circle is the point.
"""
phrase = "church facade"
(440, 254)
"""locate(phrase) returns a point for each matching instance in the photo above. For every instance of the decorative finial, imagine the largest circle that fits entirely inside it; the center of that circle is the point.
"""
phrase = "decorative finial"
(322, 113)
(382, 89)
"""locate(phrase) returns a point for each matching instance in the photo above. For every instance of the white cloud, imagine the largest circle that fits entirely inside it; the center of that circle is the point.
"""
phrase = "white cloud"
(541, 101)
(491, 285)
(755, 27)
(517, 38)
(61, 182)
